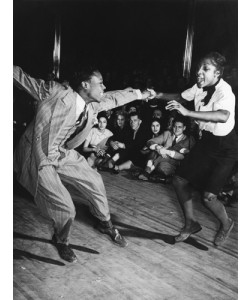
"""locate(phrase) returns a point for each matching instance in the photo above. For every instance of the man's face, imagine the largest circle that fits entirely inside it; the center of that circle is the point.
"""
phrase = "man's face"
(178, 128)
(135, 122)
(95, 87)
(157, 114)
(207, 74)
(120, 121)
(132, 109)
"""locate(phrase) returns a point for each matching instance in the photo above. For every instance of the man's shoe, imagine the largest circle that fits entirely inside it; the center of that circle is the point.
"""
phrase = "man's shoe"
(64, 251)
(185, 233)
(114, 234)
(157, 179)
(115, 170)
(222, 235)
(144, 176)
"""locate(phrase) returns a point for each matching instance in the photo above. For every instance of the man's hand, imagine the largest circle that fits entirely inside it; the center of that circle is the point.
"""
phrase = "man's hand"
(164, 152)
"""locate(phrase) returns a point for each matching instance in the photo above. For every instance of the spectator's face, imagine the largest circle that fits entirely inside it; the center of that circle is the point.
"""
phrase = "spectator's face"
(207, 74)
(95, 87)
(178, 128)
(120, 121)
(102, 123)
(135, 122)
(131, 109)
(157, 114)
(155, 127)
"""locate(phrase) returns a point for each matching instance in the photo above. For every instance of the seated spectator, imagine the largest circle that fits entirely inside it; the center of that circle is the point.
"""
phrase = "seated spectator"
(168, 149)
(156, 130)
(120, 137)
(131, 154)
(95, 144)
(157, 113)
(110, 119)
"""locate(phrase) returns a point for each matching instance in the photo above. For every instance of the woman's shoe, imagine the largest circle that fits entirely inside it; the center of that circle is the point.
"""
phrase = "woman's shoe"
(185, 233)
(222, 234)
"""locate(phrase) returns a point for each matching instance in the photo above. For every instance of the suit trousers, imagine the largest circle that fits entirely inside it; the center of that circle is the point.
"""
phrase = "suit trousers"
(71, 178)
(166, 166)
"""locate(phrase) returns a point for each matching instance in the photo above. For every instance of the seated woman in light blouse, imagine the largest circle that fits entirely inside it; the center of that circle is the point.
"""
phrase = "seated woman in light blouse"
(95, 144)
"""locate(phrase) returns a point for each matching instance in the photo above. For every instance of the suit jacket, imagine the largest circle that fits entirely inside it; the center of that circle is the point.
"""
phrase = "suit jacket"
(45, 140)
(166, 140)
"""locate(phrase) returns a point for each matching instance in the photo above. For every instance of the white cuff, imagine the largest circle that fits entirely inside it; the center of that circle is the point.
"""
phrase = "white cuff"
(152, 147)
(171, 153)
(139, 95)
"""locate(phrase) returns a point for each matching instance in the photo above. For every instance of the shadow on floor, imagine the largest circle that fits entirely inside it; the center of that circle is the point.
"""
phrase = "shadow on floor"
(20, 254)
(18, 235)
(142, 233)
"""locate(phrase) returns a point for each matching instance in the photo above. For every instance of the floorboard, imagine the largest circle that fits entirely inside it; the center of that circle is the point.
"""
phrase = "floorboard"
(152, 267)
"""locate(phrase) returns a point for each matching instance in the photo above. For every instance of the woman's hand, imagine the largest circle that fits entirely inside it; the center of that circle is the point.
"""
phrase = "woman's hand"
(101, 152)
(174, 105)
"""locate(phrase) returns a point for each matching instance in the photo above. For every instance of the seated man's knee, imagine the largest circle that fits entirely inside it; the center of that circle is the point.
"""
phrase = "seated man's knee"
(165, 168)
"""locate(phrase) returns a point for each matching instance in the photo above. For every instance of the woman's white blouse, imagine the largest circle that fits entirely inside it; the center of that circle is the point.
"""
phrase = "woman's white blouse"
(223, 98)
(96, 136)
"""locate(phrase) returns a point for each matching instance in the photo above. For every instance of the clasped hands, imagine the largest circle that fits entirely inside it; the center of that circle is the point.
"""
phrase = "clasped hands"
(116, 145)
(163, 151)
(100, 151)
(148, 94)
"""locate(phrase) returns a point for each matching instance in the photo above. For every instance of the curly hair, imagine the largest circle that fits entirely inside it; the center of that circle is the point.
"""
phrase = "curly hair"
(217, 60)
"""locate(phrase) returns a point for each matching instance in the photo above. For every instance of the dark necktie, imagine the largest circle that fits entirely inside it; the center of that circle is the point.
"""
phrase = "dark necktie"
(174, 141)
(80, 123)
(210, 90)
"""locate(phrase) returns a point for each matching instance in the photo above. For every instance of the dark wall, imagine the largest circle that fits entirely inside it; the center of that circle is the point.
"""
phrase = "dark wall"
(120, 35)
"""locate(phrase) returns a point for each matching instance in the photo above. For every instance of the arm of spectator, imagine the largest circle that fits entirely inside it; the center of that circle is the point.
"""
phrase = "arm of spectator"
(157, 142)
(88, 149)
(172, 153)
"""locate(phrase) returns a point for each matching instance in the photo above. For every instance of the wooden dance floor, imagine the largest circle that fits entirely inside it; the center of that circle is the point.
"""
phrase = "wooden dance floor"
(152, 267)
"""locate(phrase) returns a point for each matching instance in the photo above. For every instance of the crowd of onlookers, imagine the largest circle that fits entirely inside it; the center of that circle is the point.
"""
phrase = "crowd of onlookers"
(140, 136)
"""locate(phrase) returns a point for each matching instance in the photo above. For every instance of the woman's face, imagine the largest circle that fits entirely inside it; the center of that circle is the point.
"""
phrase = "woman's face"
(207, 74)
(155, 127)
(102, 123)
(120, 121)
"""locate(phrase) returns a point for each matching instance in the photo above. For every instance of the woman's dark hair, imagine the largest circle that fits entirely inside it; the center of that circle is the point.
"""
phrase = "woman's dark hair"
(217, 60)
(102, 114)
(159, 121)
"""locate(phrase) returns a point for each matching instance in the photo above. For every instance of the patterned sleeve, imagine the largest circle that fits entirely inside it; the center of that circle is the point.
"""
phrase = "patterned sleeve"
(37, 88)
(116, 98)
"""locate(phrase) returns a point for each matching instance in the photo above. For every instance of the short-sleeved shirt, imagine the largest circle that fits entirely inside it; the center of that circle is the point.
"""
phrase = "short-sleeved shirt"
(96, 136)
(223, 98)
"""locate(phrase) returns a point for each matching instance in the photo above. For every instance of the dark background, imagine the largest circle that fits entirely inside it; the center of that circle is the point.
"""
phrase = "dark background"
(122, 37)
